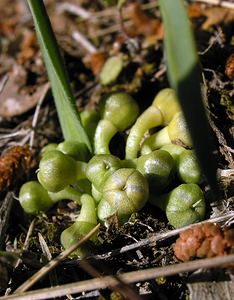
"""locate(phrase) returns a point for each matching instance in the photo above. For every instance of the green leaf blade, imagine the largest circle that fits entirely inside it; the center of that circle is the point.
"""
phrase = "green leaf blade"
(184, 76)
(65, 104)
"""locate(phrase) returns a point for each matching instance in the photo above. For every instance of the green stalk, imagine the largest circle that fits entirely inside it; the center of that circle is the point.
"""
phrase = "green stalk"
(184, 76)
(68, 115)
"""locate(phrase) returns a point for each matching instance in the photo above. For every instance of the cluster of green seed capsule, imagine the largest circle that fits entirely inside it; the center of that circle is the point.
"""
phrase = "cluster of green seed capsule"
(105, 185)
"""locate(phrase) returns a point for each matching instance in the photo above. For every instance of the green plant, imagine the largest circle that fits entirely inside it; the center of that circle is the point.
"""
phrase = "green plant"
(57, 170)
(188, 169)
(64, 100)
(184, 205)
(100, 167)
(157, 167)
(183, 69)
(89, 120)
(85, 221)
(175, 132)
(119, 111)
(186, 164)
(161, 111)
(76, 150)
(124, 192)
(119, 185)
(35, 199)
(174, 150)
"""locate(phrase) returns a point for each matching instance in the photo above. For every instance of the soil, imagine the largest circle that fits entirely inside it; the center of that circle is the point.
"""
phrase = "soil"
(28, 117)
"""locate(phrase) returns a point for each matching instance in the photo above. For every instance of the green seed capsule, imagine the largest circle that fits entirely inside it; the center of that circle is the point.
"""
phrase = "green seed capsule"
(57, 170)
(100, 167)
(34, 198)
(186, 205)
(174, 150)
(188, 168)
(120, 109)
(158, 168)
(76, 150)
(125, 192)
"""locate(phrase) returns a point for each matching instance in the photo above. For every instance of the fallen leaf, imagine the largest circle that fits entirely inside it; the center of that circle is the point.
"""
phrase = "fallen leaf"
(195, 10)
(217, 15)
(143, 23)
(14, 100)
(29, 47)
(95, 61)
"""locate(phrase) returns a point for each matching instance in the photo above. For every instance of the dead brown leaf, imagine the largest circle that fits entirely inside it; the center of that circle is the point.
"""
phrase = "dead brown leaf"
(217, 15)
(195, 10)
(29, 47)
(143, 23)
(15, 99)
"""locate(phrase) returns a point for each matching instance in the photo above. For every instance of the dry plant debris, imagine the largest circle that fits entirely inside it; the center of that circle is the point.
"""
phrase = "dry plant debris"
(229, 68)
(14, 164)
(204, 240)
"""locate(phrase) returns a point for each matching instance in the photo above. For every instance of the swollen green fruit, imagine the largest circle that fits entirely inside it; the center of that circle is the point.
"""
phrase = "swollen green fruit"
(125, 192)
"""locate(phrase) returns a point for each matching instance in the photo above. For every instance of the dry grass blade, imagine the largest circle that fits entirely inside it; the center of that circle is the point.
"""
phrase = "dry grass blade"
(53, 263)
(129, 277)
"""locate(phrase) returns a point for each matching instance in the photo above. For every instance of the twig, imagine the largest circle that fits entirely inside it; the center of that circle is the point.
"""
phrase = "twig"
(36, 113)
(212, 43)
(53, 263)
(111, 29)
(106, 13)
(119, 285)
(226, 4)
(18, 133)
(25, 245)
(158, 237)
(86, 44)
(74, 9)
(3, 83)
(48, 257)
(129, 277)
(5, 212)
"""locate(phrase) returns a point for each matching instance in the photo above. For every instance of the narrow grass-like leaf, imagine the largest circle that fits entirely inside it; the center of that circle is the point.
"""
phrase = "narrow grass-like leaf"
(68, 115)
(184, 76)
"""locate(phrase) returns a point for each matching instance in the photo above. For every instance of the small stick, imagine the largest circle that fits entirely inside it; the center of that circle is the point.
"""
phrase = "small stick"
(74, 9)
(129, 277)
(119, 286)
(158, 237)
(36, 113)
(86, 44)
(3, 83)
(25, 245)
(54, 262)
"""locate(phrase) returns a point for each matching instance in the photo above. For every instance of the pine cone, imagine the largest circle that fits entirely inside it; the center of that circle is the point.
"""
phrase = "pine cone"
(13, 164)
(229, 68)
(205, 240)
